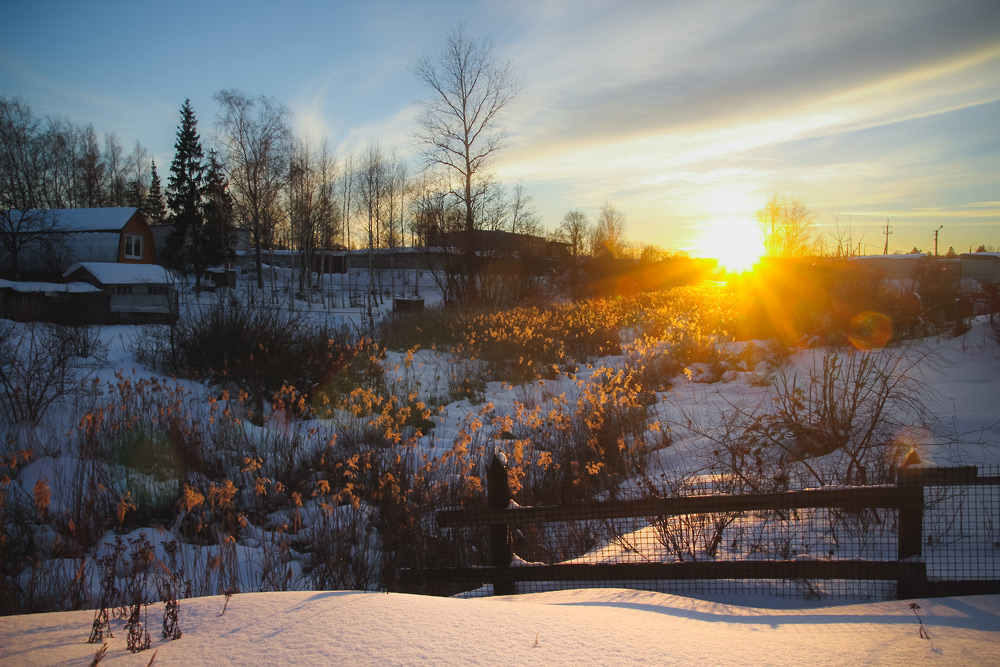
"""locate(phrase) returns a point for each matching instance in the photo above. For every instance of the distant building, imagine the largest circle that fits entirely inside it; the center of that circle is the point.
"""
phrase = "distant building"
(893, 266)
(536, 253)
(983, 267)
(239, 237)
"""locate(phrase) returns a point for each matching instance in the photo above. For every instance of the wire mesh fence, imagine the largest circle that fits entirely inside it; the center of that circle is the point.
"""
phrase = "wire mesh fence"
(861, 542)
(962, 528)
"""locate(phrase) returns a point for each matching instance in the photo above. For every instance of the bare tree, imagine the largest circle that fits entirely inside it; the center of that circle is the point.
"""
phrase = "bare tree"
(92, 170)
(459, 127)
(24, 234)
(137, 177)
(372, 178)
(500, 209)
(114, 170)
(255, 136)
(786, 226)
(523, 215)
(20, 166)
(574, 229)
(842, 235)
(608, 236)
(312, 206)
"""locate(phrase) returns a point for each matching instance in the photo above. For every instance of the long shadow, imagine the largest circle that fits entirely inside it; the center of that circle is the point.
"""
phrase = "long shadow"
(972, 619)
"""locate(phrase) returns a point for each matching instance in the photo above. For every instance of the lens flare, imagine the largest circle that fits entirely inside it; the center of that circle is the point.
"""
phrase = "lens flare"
(870, 330)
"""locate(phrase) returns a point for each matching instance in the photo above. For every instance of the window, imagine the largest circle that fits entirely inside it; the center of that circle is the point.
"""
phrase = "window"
(133, 246)
(120, 289)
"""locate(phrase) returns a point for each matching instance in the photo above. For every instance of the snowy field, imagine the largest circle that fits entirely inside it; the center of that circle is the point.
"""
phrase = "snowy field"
(960, 381)
(580, 627)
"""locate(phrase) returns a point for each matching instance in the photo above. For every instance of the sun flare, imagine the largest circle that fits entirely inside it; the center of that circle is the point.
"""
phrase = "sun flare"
(734, 242)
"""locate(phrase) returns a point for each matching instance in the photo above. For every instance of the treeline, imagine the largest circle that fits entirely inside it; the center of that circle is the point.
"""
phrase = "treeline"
(289, 192)
(54, 163)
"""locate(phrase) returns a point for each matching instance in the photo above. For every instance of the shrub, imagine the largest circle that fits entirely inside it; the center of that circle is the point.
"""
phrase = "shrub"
(254, 347)
(836, 424)
(38, 367)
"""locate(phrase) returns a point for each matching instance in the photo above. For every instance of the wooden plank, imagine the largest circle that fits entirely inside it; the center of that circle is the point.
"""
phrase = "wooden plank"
(953, 476)
(849, 498)
(942, 589)
(796, 569)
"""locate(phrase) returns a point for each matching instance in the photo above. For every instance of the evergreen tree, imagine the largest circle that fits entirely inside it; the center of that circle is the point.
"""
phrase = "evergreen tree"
(951, 253)
(133, 195)
(185, 190)
(219, 216)
(152, 206)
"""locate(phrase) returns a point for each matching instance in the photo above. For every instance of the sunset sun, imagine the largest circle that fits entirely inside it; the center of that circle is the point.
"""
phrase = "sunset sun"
(734, 242)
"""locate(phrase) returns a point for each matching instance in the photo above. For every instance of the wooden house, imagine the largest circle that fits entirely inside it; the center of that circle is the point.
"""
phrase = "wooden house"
(52, 240)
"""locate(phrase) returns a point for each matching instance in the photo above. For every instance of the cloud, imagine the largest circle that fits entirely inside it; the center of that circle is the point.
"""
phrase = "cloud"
(606, 72)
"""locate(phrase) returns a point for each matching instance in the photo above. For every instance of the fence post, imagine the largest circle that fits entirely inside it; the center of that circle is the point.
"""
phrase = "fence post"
(498, 498)
(913, 577)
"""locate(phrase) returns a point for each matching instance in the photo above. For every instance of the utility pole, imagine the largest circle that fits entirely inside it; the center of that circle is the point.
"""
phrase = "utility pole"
(888, 230)
(936, 232)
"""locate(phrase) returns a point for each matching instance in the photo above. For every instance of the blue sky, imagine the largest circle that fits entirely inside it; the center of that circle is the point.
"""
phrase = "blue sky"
(684, 115)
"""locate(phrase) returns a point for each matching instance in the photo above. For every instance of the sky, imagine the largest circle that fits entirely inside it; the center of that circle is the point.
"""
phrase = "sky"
(685, 116)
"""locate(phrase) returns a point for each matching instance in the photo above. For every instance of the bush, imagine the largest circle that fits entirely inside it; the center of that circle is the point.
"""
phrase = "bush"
(254, 347)
(38, 366)
(836, 424)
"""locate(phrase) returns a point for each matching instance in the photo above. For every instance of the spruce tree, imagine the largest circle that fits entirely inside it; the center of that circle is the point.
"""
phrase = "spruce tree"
(185, 190)
(219, 215)
(152, 206)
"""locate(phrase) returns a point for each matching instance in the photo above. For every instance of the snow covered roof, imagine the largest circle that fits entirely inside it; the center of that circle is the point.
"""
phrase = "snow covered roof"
(28, 287)
(906, 256)
(89, 219)
(108, 273)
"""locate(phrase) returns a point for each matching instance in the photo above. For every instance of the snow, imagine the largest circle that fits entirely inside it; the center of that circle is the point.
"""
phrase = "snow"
(580, 627)
(591, 626)
(906, 256)
(29, 287)
(90, 219)
(108, 273)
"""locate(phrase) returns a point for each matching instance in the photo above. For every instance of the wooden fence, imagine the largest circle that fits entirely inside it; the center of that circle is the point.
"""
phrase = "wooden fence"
(907, 568)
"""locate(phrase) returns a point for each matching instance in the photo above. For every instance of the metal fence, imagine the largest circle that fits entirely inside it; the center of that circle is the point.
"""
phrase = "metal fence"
(935, 532)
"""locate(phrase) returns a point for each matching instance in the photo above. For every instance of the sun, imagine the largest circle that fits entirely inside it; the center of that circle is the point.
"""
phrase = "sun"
(734, 242)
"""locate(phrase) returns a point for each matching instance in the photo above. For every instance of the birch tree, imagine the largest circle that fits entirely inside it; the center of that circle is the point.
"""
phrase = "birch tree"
(459, 127)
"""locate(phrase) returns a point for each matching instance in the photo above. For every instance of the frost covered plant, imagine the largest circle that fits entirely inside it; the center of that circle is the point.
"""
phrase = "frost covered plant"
(853, 405)
(837, 423)
(38, 366)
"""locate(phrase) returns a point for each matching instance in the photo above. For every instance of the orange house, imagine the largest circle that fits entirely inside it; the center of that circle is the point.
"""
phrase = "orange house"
(64, 237)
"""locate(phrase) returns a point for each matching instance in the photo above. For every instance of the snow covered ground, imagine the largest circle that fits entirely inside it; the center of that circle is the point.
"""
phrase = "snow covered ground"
(579, 627)
(595, 626)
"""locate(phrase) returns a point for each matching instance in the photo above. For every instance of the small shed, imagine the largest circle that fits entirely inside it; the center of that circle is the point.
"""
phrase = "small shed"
(61, 303)
(138, 292)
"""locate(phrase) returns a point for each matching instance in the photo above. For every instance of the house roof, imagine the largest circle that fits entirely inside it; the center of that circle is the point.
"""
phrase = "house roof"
(111, 219)
(108, 273)
(34, 286)
(909, 256)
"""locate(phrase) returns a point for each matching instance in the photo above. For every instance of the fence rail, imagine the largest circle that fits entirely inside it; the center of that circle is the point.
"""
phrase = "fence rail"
(883, 526)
